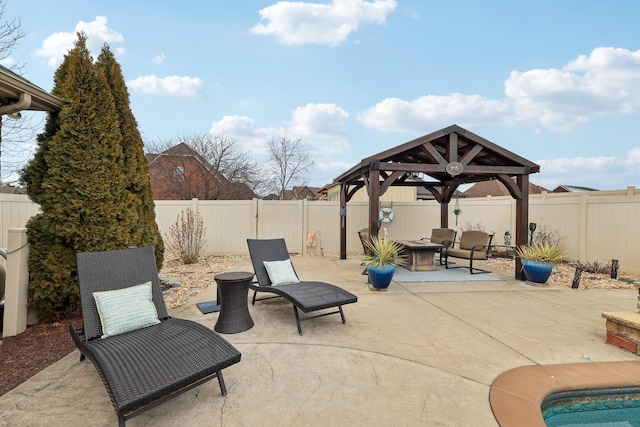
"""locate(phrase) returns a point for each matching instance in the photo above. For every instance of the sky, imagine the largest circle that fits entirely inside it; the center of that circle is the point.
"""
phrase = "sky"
(556, 82)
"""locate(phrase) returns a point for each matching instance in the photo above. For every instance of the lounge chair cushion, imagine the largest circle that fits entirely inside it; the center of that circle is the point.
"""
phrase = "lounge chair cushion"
(281, 272)
(125, 310)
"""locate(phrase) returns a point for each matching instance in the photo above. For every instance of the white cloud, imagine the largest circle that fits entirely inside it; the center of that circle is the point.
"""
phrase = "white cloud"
(607, 82)
(182, 86)
(9, 62)
(633, 161)
(249, 136)
(297, 23)
(158, 59)
(569, 166)
(318, 120)
(320, 126)
(601, 173)
(55, 46)
(397, 115)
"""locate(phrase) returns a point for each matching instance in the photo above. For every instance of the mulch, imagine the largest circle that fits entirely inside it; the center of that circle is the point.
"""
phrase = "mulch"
(26, 354)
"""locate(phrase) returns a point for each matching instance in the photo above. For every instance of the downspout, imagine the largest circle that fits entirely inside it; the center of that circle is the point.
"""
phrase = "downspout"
(23, 103)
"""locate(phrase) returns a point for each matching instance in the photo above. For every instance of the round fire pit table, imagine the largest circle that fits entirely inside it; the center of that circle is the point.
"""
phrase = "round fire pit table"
(234, 312)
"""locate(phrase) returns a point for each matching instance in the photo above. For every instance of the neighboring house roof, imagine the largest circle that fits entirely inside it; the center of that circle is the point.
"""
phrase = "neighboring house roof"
(180, 155)
(424, 194)
(301, 193)
(9, 189)
(571, 189)
(496, 188)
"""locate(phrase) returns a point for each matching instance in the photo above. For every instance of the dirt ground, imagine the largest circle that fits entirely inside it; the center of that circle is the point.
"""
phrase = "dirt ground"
(40, 345)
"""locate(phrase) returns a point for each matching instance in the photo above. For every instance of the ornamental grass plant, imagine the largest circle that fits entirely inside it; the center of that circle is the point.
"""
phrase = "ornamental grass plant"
(384, 252)
(543, 251)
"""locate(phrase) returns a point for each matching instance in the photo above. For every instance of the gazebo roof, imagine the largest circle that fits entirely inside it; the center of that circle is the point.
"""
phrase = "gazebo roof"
(18, 93)
(450, 157)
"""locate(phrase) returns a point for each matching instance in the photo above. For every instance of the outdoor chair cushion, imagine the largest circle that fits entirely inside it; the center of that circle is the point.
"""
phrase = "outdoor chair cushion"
(443, 236)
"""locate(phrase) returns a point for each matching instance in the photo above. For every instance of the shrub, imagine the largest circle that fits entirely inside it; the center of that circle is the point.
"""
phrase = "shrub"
(597, 267)
(478, 226)
(186, 237)
(545, 235)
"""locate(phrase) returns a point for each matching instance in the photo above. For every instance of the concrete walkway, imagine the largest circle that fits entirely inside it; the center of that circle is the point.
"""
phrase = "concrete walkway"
(418, 354)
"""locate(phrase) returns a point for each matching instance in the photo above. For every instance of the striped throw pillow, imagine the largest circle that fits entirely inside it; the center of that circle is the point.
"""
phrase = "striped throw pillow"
(281, 272)
(125, 310)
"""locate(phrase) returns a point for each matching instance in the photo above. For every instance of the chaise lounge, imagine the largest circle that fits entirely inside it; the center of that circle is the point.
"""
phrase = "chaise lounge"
(161, 356)
(282, 280)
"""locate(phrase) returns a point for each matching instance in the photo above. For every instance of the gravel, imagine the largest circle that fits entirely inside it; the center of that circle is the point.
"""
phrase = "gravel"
(563, 276)
(192, 278)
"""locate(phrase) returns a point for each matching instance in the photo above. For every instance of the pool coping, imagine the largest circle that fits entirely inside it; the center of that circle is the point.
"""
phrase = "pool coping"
(516, 395)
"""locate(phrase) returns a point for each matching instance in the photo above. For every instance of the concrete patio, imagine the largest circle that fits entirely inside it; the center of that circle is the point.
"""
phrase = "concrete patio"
(418, 354)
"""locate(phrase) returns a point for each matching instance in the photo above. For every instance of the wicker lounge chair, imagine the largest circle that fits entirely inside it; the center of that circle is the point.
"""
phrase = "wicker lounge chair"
(304, 295)
(474, 245)
(144, 367)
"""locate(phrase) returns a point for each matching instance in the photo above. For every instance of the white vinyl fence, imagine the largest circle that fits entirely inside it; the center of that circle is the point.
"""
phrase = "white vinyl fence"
(598, 226)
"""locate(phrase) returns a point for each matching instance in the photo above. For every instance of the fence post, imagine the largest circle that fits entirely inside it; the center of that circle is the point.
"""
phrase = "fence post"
(254, 218)
(304, 212)
(17, 283)
(583, 230)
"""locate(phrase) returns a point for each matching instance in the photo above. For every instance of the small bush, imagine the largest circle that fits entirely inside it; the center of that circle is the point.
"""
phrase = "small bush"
(186, 237)
(544, 235)
(597, 267)
(478, 226)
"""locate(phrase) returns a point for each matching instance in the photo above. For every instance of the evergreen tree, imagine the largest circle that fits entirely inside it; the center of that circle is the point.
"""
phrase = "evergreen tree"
(77, 178)
(135, 167)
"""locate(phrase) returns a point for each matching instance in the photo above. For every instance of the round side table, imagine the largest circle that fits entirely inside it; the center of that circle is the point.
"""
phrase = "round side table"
(234, 314)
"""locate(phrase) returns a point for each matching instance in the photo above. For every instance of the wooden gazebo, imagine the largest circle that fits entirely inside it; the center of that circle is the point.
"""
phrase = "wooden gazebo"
(448, 158)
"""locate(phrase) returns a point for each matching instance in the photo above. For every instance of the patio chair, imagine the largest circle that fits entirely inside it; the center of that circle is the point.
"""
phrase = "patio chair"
(363, 234)
(143, 367)
(308, 296)
(442, 236)
(474, 245)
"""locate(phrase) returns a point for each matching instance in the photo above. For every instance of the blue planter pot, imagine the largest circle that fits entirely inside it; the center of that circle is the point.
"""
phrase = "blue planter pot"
(380, 277)
(537, 271)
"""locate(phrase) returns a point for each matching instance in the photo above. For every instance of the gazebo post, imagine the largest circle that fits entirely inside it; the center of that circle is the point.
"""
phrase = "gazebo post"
(343, 221)
(444, 214)
(522, 220)
(374, 197)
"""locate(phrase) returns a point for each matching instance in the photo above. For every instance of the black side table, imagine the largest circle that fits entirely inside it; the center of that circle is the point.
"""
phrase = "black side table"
(233, 288)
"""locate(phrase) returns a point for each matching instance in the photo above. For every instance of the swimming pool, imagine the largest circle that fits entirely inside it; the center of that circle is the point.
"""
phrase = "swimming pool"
(614, 407)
